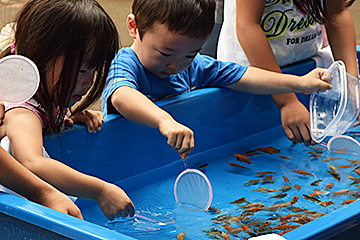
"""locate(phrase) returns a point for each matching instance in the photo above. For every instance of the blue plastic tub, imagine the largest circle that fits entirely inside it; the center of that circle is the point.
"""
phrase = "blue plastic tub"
(134, 156)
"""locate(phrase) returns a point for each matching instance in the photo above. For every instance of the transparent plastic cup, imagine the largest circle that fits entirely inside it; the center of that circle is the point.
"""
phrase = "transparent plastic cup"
(332, 112)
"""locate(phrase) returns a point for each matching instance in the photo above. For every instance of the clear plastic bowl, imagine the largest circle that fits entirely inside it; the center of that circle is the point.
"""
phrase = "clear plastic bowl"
(332, 112)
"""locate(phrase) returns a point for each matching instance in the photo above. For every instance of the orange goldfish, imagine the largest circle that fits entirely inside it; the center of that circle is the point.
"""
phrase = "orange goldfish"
(325, 204)
(251, 153)
(253, 209)
(203, 165)
(252, 182)
(316, 193)
(356, 180)
(329, 186)
(259, 204)
(344, 166)
(285, 188)
(357, 171)
(307, 197)
(242, 158)
(330, 159)
(268, 179)
(283, 157)
(332, 167)
(265, 224)
(281, 195)
(237, 165)
(269, 150)
(341, 192)
(349, 201)
(297, 187)
(181, 236)
(296, 209)
(265, 173)
(301, 220)
(225, 236)
(286, 217)
(286, 179)
(240, 200)
(246, 228)
(265, 190)
(294, 200)
(335, 175)
(315, 183)
(302, 172)
(286, 226)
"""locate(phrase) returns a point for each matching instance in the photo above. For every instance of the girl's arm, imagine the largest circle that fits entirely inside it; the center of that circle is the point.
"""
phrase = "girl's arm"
(136, 107)
(294, 116)
(16, 177)
(341, 34)
(24, 131)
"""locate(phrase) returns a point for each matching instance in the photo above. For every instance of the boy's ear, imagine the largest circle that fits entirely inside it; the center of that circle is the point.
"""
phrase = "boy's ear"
(131, 25)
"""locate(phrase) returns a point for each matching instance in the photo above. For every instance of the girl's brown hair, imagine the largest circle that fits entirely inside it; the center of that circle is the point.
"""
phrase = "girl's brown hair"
(74, 30)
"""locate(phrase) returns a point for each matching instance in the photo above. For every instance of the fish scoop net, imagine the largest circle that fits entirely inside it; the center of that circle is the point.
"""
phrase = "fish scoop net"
(344, 144)
(193, 190)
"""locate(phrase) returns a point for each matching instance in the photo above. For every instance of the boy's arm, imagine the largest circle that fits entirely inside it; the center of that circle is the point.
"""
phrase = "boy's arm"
(136, 107)
(294, 115)
(341, 34)
(259, 81)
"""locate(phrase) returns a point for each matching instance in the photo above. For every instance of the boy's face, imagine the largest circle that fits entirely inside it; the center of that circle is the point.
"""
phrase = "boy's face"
(164, 53)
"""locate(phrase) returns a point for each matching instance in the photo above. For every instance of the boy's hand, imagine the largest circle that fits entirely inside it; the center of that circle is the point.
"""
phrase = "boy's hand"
(2, 112)
(180, 137)
(92, 119)
(114, 202)
(315, 81)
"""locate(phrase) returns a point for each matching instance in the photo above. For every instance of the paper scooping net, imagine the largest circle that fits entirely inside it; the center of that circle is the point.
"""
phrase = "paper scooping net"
(344, 144)
(193, 190)
(19, 79)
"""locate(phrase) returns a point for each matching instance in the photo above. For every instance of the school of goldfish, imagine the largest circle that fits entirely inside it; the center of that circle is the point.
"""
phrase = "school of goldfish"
(286, 215)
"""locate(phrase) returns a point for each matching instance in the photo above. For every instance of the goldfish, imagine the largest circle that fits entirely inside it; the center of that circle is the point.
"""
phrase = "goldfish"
(240, 200)
(246, 228)
(265, 190)
(341, 192)
(281, 205)
(301, 220)
(349, 201)
(225, 236)
(181, 236)
(269, 150)
(302, 172)
(286, 217)
(356, 180)
(281, 195)
(316, 193)
(253, 209)
(332, 167)
(242, 158)
(252, 182)
(268, 179)
(237, 165)
(259, 204)
(286, 179)
(335, 175)
(297, 187)
(203, 165)
(307, 197)
(283, 157)
(272, 218)
(330, 159)
(344, 166)
(353, 162)
(286, 226)
(214, 210)
(329, 186)
(251, 153)
(357, 171)
(315, 183)
(285, 188)
(265, 173)
(296, 209)
(325, 204)
(294, 200)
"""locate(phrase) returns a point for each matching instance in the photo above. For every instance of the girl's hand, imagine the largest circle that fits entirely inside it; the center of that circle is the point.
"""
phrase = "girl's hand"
(114, 202)
(180, 137)
(92, 119)
(56, 200)
(2, 112)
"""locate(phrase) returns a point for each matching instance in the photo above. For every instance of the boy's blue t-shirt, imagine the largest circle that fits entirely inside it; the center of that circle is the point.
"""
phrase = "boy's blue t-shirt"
(204, 71)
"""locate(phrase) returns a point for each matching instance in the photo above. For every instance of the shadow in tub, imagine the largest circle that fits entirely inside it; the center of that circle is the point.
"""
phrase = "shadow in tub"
(285, 189)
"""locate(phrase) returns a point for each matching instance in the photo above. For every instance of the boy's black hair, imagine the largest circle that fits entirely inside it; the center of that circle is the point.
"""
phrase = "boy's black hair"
(193, 18)
(316, 9)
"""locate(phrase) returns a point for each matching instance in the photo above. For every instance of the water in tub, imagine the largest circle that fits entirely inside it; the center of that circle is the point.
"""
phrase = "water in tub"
(284, 187)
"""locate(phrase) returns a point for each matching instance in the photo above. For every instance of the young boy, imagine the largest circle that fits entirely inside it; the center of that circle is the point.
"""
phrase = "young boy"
(163, 61)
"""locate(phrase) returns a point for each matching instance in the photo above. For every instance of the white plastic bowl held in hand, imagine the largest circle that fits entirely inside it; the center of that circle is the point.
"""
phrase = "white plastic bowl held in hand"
(332, 112)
